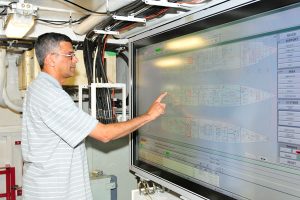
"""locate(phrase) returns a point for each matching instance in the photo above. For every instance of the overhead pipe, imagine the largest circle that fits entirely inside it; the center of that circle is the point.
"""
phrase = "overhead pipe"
(93, 20)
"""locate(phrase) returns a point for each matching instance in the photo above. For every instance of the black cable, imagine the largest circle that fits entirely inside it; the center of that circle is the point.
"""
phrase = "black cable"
(91, 11)
(5, 7)
(125, 10)
(12, 2)
(88, 49)
(53, 22)
(4, 11)
(151, 11)
(124, 57)
(60, 22)
(105, 92)
(101, 42)
(86, 57)
(105, 24)
(121, 25)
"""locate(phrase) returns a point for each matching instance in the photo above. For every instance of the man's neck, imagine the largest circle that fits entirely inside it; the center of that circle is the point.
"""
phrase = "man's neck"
(54, 75)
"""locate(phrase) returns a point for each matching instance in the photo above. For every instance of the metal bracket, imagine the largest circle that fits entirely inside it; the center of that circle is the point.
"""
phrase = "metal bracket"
(183, 198)
(192, 6)
(118, 41)
(106, 32)
(23, 9)
(129, 18)
(165, 3)
(110, 186)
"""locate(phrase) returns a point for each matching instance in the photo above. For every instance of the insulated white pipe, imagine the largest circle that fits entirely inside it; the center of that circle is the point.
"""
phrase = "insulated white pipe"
(93, 20)
(2, 74)
(7, 102)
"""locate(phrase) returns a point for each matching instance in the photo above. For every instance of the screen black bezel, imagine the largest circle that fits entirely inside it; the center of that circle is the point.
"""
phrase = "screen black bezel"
(222, 18)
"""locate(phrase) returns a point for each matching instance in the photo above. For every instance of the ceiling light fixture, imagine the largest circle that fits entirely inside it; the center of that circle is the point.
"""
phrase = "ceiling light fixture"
(20, 19)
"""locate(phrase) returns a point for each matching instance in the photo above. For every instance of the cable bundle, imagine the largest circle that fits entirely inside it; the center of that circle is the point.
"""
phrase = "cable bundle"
(94, 49)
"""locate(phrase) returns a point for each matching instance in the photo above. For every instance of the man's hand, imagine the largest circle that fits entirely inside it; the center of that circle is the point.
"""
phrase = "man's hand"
(157, 108)
(107, 132)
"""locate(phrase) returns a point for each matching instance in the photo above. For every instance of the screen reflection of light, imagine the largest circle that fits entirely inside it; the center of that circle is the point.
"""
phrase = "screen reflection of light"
(169, 62)
(185, 43)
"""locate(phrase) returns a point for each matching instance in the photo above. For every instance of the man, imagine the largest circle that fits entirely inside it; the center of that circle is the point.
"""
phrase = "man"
(55, 163)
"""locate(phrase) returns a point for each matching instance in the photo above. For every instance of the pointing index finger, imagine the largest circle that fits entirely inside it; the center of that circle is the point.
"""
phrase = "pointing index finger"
(160, 97)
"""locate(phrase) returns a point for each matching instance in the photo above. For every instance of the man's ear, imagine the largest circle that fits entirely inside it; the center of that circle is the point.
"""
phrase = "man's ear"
(50, 60)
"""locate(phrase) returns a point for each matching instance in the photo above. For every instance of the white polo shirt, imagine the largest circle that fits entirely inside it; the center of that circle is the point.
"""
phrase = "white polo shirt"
(55, 161)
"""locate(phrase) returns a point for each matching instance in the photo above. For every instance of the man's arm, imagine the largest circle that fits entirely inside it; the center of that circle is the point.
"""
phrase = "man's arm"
(107, 132)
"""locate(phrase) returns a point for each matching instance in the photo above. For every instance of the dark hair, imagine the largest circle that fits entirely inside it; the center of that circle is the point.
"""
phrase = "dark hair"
(48, 43)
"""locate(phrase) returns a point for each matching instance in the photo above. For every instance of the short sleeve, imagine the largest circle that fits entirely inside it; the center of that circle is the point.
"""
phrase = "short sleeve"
(67, 121)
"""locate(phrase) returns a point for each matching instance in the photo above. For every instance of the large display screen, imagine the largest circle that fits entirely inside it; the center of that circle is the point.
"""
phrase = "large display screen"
(232, 124)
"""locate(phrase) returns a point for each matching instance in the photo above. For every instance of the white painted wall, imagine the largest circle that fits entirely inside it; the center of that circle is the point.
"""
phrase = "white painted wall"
(113, 159)
(9, 118)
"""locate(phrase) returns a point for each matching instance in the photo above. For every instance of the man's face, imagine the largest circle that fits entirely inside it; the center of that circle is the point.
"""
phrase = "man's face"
(65, 60)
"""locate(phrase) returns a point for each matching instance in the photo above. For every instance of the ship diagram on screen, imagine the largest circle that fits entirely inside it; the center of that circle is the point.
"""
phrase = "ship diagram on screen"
(233, 110)
(202, 101)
